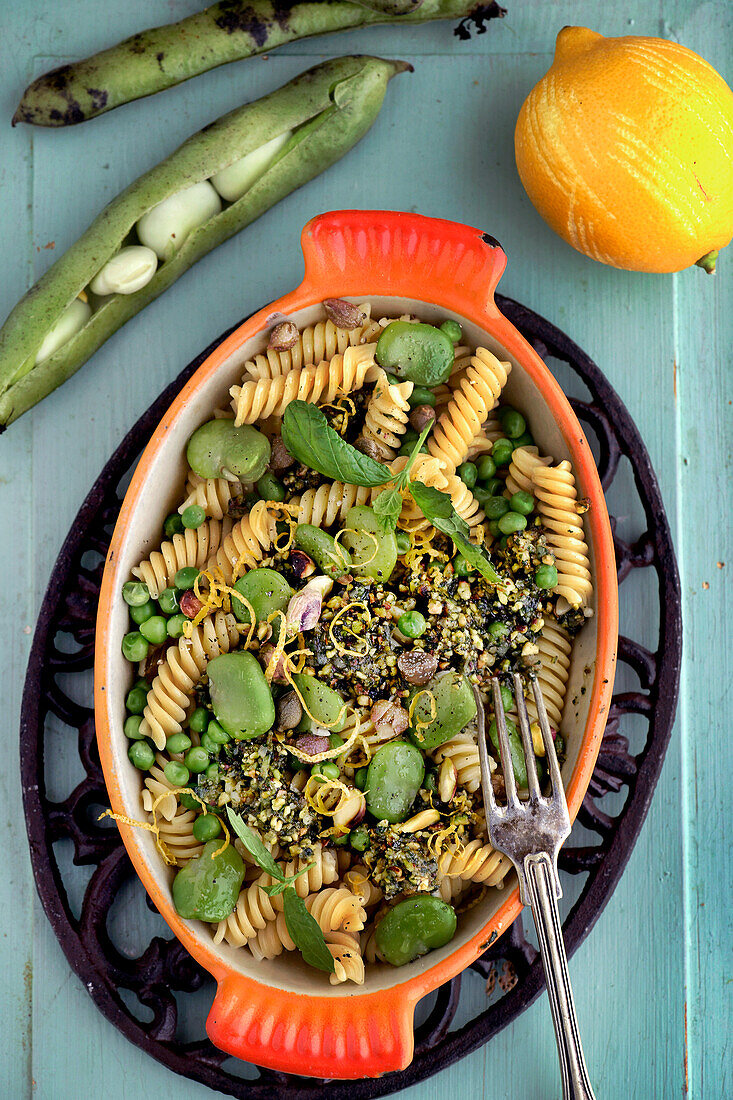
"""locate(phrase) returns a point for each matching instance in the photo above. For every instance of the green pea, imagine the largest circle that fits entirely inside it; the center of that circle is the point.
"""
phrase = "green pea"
(132, 727)
(413, 927)
(340, 841)
(270, 488)
(495, 485)
(208, 886)
(178, 742)
(455, 707)
(136, 699)
(418, 352)
(486, 467)
(507, 699)
(524, 440)
(240, 695)
(522, 503)
(211, 747)
(546, 576)
(461, 567)
(140, 613)
(173, 525)
(266, 590)
(135, 594)
(403, 540)
(217, 733)
(186, 578)
(206, 827)
(134, 647)
(359, 838)
(175, 625)
(503, 543)
(193, 516)
(407, 448)
(468, 473)
(325, 705)
(496, 507)
(519, 764)
(494, 527)
(360, 778)
(196, 760)
(142, 683)
(177, 774)
(502, 452)
(364, 528)
(141, 755)
(513, 423)
(498, 630)
(218, 446)
(168, 600)
(410, 435)
(512, 522)
(212, 772)
(412, 624)
(199, 720)
(452, 330)
(331, 557)
(430, 783)
(392, 379)
(326, 769)
(335, 741)
(154, 629)
(420, 395)
(394, 777)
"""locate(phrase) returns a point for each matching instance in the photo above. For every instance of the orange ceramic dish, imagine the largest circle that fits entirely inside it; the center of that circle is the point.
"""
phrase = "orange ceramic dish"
(277, 1014)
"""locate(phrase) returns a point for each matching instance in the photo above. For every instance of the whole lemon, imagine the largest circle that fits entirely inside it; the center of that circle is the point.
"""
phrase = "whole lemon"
(625, 147)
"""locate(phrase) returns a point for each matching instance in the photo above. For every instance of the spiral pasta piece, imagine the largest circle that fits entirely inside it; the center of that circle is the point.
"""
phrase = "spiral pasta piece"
(476, 862)
(554, 488)
(254, 400)
(246, 544)
(463, 751)
(315, 343)
(464, 501)
(346, 951)
(271, 940)
(358, 881)
(387, 415)
(553, 669)
(184, 665)
(213, 494)
(329, 503)
(472, 400)
(524, 462)
(429, 471)
(323, 872)
(336, 908)
(368, 941)
(177, 836)
(253, 911)
(192, 548)
(156, 784)
(483, 442)
(451, 889)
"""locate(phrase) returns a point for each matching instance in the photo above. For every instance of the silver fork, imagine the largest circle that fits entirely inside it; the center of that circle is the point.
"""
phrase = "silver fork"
(531, 834)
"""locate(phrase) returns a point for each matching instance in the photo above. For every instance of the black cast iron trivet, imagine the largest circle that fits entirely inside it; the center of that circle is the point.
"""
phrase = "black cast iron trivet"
(63, 647)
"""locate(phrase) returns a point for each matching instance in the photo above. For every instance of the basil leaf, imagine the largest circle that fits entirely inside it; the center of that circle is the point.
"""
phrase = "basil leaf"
(438, 508)
(254, 846)
(387, 508)
(305, 931)
(309, 437)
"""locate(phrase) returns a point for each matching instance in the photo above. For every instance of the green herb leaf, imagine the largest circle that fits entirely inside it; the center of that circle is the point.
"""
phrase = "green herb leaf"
(288, 880)
(403, 479)
(308, 436)
(438, 508)
(387, 508)
(255, 847)
(305, 932)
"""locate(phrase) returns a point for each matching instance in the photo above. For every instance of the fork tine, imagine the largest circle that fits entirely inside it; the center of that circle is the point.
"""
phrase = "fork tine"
(490, 806)
(532, 778)
(504, 751)
(558, 791)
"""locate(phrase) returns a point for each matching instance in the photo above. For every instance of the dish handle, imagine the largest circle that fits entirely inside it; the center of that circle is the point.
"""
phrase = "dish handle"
(361, 1035)
(373, 252)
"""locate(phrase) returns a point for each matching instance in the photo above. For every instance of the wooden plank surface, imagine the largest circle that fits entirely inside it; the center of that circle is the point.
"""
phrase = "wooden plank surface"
(653, 978)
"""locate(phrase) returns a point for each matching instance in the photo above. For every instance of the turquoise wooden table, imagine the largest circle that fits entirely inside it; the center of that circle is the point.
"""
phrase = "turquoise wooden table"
(653, 979)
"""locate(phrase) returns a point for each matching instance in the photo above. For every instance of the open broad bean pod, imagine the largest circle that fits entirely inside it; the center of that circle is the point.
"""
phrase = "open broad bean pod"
(174, 214)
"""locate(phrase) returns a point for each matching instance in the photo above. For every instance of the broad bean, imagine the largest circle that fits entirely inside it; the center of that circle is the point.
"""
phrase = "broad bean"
(240, 695)
(413, 927)
(455, 707)
(368, 544)
(418, 352)
(516, 751)
(322, 701)
(331, 557)
(167, 226)
(71, 321)
(266, 590)
(393, 779)
(232, 182)
(207, 888)
(217, 447)
(129, 271)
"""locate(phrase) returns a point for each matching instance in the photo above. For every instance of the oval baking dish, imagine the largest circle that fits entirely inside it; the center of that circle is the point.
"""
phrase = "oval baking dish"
(277, 1013)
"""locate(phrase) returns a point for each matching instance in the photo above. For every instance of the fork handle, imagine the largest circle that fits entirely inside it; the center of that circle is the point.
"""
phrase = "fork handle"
(542, 891)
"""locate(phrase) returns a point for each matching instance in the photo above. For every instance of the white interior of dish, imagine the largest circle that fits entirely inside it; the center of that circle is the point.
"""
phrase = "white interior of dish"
(161, 494)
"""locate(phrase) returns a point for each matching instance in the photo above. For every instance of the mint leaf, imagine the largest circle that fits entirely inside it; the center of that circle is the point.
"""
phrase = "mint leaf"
(438, 508)
(403, 479)
(308, 436)
(387, 508)
(254, 846)
(305, 931)
(287, 880)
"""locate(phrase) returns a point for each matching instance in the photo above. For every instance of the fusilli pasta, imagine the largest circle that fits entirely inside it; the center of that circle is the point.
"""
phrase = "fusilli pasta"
(213, 494)
(315, 343)
(476, 862)
(557, 497)
(177, 836)
(191, 548)
(246, 543)
(323, 506)
(463, 751)
(346, 951)
(553, 669)
(470, 404)
(387, 415)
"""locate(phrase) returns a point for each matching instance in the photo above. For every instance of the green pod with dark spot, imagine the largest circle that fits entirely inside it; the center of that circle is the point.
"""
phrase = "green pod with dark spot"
(160, 57)
(328, 108)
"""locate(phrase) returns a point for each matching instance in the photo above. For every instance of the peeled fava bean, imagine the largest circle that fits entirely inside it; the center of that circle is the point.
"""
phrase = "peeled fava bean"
(71, 321)
(240, 695)
(166, 227)
(332, 558)
(455, 707)
(394, 777)
(207, 888)
(417, 352)
(373, 553)
(413, 927)
(266, 590)
(325, 705)
(217, 448)
(234, 181)
(129, 271)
